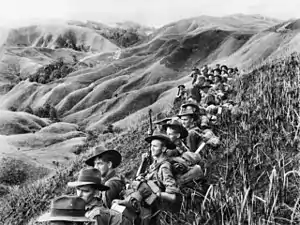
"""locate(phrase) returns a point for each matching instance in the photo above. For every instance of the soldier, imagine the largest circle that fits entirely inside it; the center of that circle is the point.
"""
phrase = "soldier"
(204, 70)
(206, 96)
(159, 124)
(106, 161)
(194, 92)
(203, 120)
(88, 185)
(217, 66)
(156, 190)
(181, 96)
(217, 72)
(231, 72)
(177, 133)
(200, 80)
(181, 91)
(197, 136)
(194, 74)
(217, 79)
(160, 172)
(66, 210)
(189, 119)
(224, 68)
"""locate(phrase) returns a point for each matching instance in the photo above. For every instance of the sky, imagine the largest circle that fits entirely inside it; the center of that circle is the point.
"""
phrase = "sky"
(147, 12)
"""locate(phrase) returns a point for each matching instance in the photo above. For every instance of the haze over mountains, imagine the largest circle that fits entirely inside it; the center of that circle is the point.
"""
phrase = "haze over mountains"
(113, 84)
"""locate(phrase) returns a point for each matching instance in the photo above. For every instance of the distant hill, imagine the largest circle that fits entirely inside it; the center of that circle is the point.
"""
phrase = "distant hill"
(122, 83)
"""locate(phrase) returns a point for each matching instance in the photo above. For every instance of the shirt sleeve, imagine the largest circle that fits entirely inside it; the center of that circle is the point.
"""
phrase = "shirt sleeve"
(168, 179)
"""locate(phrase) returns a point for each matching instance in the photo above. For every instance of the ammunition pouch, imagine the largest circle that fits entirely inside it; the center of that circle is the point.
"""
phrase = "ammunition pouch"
(142, 191)
(137, 203)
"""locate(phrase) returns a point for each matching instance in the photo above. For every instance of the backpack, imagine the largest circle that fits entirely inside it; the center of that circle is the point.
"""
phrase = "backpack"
(186, 169)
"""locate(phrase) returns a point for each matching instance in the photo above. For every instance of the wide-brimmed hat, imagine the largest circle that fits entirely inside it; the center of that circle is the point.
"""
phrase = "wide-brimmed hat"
(181, 85)
(163, 121)
(176, 125)
(192, 104)
(188, 112)
(162, 137)
(224, 66)
(198, 109)
(89, 176)
(66, 208)
(100, 151)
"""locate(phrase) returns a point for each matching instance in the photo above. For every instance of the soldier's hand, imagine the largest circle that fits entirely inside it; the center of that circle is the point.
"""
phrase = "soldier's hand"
(144, 156)
(149, 132)
(116, 201)
(140, 178)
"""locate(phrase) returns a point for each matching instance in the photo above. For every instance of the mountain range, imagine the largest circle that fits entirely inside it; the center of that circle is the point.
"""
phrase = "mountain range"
(122, 70)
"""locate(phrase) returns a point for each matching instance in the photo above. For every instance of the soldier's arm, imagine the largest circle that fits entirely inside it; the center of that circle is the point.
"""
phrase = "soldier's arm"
(99, 214)
(169, 182)
(113, 192)
(193, 141)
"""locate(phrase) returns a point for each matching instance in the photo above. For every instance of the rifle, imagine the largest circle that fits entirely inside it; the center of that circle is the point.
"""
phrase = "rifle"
(178, 92)
(200, 148)
(146, 161)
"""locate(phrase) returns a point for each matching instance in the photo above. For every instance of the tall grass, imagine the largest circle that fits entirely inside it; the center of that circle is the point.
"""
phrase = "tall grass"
(255, 178)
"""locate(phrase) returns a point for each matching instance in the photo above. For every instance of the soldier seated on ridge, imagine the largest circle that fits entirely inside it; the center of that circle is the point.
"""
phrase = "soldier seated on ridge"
(203, 120)
(177, 133)
(194, 93)
(196, 135)
(205, 94)
(224, 68)
(157, 190)
(188, 119)
(200, 81)
(106, 161)
(159, 124)
(87, 186)
(180, 97)
(204, 70)
(194, 74)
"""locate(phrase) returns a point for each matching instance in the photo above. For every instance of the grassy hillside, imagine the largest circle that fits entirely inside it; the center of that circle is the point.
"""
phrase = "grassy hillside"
(165, 56)
(251, 179)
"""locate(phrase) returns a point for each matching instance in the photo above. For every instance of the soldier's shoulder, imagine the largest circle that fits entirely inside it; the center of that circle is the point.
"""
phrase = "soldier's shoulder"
(166, 165)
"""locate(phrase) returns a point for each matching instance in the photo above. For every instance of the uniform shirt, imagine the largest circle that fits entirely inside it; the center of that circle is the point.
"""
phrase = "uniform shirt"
(194, 92)
(161, 173)
(116, 185)
(194, 140)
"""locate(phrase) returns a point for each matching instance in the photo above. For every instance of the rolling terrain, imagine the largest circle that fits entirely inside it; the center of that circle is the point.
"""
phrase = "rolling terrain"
(121, 84)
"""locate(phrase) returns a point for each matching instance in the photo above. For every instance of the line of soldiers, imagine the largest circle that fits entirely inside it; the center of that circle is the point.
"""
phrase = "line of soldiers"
(177, 147)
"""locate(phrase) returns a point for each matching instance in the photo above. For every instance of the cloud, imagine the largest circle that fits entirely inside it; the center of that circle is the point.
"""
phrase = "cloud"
(154, 12)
